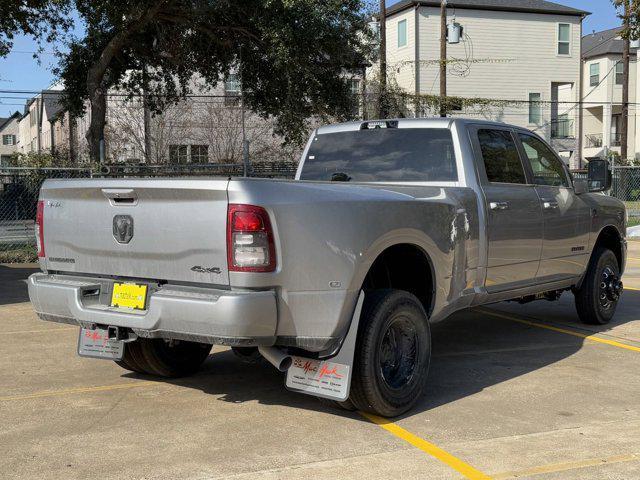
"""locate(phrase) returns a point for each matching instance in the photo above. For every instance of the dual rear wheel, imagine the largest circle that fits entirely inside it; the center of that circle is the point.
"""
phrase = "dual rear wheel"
(393, 346)
(164, 358)
(393, 352)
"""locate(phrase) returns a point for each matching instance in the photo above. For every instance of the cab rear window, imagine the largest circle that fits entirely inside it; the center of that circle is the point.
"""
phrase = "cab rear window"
(382, 155)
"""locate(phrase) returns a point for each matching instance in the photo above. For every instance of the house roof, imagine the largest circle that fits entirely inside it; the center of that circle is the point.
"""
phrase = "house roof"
(529, 6)
(603, 43)
(5, 120)
(51, 103)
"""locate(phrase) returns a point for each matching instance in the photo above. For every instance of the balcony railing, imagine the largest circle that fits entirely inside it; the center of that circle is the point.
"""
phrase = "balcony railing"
(562, 129)
(593, 140)
(616, 139)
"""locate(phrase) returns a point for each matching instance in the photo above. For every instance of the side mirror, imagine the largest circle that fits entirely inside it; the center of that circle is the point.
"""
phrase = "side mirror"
(580, 186)
(600, 178)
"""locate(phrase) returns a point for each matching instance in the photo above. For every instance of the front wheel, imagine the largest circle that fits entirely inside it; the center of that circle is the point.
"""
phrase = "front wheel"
(598, 296)
(392, 356)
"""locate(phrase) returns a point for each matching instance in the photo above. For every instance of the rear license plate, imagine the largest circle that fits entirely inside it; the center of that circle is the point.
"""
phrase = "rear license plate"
(129, 295)
(97, 344)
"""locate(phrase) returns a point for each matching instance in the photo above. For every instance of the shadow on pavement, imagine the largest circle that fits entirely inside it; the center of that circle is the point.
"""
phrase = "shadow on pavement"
(13, 287)
(471, 351)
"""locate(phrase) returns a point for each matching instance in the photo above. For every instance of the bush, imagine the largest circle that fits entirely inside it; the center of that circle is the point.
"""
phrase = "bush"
(19, 254)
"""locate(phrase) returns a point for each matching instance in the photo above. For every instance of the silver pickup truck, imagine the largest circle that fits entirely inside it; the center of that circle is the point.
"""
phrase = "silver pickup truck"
(336, 276)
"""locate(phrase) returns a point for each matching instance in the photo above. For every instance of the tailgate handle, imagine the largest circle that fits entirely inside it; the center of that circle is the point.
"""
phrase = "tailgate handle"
(121, 196)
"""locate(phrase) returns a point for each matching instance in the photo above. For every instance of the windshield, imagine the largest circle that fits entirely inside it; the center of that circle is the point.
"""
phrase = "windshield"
(382, 155)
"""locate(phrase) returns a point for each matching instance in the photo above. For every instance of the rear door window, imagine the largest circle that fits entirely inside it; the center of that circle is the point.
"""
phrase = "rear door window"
(382, 155)
(500, 155)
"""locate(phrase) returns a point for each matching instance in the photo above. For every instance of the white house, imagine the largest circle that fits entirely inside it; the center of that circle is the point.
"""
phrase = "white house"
(8, 137)
(602, 72)
(34, 126)
(512, 51)
(206, 127)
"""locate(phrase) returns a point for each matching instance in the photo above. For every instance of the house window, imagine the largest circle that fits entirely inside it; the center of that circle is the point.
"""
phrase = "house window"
(232, 90)
(354, 86)
(178, 153)
(535, 109)
(402, 33)
(564, 39)
(619, 73)
(199, 153)
(8, 139)
(562, 127)
(594, 74)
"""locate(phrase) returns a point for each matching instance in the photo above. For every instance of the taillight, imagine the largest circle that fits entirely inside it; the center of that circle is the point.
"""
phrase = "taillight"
(40, 229)
(250, 245)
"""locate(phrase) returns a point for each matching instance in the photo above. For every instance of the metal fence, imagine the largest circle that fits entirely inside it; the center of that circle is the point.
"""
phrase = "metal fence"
(626, 187)
(19, 188)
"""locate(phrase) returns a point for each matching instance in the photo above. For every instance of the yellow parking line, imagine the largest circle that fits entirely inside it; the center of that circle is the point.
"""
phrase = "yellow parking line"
(592, 338)
(71, 391)
(564, 467)
(631, 288)
(633, 258)
(429, 448)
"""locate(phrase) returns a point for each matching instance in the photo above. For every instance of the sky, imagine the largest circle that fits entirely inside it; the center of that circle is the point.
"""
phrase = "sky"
(20, 71)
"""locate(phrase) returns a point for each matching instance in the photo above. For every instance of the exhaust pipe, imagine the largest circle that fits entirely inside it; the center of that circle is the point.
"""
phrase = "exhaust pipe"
(276, 357)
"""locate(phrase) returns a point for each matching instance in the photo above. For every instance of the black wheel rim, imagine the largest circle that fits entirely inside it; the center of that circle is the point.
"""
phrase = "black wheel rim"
(610, 288)
(398, 353)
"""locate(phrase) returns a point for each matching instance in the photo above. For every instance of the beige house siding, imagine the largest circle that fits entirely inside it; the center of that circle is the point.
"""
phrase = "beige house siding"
(603, 102)
(514, 54)
(401, 61)
(9, 128)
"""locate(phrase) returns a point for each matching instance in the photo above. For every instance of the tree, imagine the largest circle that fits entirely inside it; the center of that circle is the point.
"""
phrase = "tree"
(631, 31)
(42, 19)
(290, 55)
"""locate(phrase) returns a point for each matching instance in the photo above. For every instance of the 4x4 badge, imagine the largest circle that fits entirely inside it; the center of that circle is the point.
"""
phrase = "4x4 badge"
(123, 228)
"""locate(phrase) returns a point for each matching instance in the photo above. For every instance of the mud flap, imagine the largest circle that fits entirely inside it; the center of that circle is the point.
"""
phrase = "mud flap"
(327, 378)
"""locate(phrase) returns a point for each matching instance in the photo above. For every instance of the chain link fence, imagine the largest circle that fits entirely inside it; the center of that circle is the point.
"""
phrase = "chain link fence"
(626, 187)
(19, 188)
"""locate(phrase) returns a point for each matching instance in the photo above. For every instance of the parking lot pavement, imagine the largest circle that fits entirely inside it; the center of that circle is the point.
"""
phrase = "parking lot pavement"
(515, 391)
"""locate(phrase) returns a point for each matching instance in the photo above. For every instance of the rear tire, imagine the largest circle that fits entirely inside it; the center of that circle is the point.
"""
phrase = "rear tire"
(172, 358)
(393, 351)
(129, 360)
(598, 296)
(248, 355)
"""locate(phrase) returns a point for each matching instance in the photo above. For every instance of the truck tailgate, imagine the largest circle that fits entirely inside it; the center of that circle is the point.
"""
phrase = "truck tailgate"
(163, 229)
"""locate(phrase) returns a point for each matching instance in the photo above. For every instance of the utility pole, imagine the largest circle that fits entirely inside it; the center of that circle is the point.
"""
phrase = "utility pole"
(624, 138)
(147, 116)
(443, 58)
(383, 113)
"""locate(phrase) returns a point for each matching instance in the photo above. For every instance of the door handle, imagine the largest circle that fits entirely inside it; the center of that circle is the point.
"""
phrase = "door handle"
(549, 204)
(499, 205)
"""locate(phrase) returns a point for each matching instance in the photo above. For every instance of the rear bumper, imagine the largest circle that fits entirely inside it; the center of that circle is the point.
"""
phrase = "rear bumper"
(225, 317)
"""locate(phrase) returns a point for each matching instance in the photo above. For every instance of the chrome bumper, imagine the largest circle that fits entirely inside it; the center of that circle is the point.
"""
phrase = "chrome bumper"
(225, 317)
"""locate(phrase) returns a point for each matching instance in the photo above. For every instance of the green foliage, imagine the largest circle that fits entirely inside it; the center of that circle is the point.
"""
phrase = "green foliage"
(291, 55)
(43, 20)
(19, 254)
(633, 6)
(42, 160)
